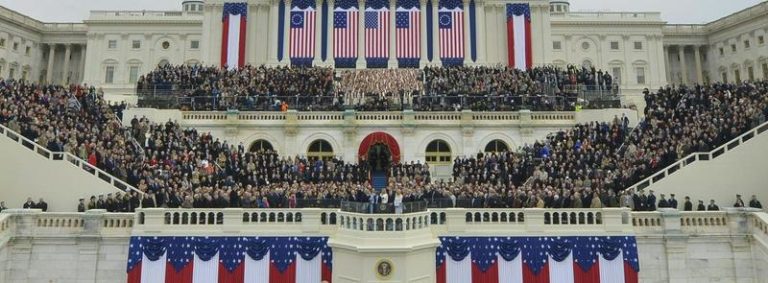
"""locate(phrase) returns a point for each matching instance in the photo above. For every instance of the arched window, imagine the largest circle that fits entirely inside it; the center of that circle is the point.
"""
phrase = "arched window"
(496, 146)
(163, 63)
(320, 149)
(438, 152)
(261, 146)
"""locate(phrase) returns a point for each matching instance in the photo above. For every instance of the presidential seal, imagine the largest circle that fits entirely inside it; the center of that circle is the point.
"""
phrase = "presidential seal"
(384, 269)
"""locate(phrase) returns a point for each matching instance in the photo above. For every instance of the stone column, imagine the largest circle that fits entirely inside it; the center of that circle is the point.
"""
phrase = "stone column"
(329, 48)
(81, 69)
(480, 24)
(699, 73)
(51, 55)
(361, 35)
(392, 35)
(287, 33)
(683, 66)
(670, 76)
(467, 32)
(65, 72)
(272, 49)
(318, 60)
(435, 34)
(423, 33)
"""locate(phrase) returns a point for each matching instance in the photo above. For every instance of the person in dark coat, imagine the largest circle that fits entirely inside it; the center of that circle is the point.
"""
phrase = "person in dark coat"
(701, 206)
(651, 203)
(754, 203)
(42, 205)
(688, 205)
(663, 203)
(712, 206)
(29, 204)
(739, 202)
(672, 201)
(81, 205)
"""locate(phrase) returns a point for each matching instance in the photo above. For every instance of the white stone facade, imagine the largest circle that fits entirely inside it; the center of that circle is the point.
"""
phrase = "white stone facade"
(673, 246)
(112, 48)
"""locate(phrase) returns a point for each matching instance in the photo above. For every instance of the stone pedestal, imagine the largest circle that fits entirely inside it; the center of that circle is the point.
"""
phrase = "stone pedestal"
(363, 256)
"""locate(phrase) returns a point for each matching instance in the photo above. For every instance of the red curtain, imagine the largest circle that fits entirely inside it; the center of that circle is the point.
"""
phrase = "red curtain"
(379, 137)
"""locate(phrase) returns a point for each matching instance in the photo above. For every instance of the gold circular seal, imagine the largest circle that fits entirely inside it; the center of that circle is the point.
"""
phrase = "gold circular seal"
(384, 269)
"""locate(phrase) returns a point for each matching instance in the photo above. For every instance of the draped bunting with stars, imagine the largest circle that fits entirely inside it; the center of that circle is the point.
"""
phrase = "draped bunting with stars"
(229, 259)
(537, 259)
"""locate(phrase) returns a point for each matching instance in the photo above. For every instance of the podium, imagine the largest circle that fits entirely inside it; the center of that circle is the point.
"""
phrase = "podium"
(373, 248)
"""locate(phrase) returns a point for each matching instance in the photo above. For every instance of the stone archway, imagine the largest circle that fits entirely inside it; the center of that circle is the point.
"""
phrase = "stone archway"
(379, 138)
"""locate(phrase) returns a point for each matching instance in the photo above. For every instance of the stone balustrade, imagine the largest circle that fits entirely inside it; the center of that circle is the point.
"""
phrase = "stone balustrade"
(383, 222)
(394, 117)
(453, 221)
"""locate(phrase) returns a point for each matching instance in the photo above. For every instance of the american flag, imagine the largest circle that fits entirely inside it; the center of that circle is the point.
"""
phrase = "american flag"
(234, 29)
(451, 28)
(229, 259)
(345, 32)
(302, 36)
(537, 259)
(408, 23)
(377, 31)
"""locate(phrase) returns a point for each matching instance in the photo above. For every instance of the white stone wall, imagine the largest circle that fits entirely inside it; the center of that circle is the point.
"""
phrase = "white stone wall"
(67, 260)
(152, 30)
(25, 35)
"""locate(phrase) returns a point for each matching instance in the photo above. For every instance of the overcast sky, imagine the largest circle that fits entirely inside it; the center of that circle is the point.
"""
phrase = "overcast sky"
(673, 11)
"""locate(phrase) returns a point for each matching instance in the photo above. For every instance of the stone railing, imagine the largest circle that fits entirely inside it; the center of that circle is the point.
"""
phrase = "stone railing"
(700, 156)
(759, 224)
(434, 222)
(70, 158)
(6, 228)
(383, 222)
(666, 221)
(159, 221)
(35, 223)
(407, 116)
(308, 221)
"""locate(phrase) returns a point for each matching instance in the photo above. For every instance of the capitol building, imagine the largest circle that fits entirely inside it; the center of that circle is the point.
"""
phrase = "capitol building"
(540, 162)
(113, 49)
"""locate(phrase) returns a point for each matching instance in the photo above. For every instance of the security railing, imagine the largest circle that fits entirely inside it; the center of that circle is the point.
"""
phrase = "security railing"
(70, 158)
(699, 156)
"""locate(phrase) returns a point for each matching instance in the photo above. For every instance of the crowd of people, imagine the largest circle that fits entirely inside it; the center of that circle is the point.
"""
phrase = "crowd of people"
(603, 158)
(249, 88)
(587, 165)
(323, 89)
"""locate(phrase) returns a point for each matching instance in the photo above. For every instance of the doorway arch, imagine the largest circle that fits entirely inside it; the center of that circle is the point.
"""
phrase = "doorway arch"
(379, 138)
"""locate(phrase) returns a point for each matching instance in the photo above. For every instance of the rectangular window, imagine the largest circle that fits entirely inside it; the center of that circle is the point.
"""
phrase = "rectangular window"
(765, 71)
(2, 42)
(195, 44)
(11, 73)
(28, 51)
(638, 45)
(761, 40)
(737, 76)
(15, 46)
(112, 44)
(751, 74)
(733, 48)
(614, 45)
(725, 77)
(746, 44)
(133, 74)
(616, 73)
(24, 75)
(722, 52)
(640, 75)
(109, 76)
(136, 44)
(557, 45)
